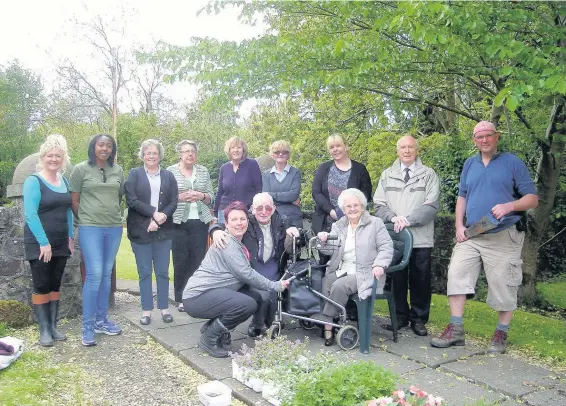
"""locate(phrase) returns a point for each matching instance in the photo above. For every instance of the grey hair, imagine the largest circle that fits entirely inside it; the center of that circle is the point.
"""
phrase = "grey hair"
(261, 195)
(54, 141)
(151, 142)
(355, 193)
(407, 135)
(186, 142)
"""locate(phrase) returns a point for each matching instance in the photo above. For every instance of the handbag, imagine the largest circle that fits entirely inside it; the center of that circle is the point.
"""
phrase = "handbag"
(301, 301)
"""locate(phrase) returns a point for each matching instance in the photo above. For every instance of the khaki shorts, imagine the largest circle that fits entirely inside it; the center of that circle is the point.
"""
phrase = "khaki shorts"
(500, 256)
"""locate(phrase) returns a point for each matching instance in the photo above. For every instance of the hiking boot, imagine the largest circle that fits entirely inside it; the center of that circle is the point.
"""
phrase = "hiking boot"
(209, 340)
(42, 316)
(54, 314)
(498, 342)
(453, 335)
(225, 341)
(106, 327)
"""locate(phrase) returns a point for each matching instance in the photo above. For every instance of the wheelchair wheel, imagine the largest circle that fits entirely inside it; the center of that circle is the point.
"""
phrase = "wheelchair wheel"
(307, 325)
(347, 337)
(274, 331)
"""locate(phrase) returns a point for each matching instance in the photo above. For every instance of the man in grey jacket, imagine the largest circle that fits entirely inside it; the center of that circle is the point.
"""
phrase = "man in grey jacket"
(408, 195)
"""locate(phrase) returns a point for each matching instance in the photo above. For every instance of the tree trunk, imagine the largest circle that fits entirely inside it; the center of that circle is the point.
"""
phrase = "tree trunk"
(548, 174)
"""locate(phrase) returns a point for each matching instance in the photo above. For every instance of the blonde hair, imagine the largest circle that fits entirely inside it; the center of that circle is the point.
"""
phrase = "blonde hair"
(335, 137)
(51, 142)
(234, 141)
(280, 145)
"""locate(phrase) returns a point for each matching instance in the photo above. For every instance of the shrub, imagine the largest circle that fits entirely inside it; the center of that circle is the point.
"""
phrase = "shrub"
(344, 385)
(14, 313)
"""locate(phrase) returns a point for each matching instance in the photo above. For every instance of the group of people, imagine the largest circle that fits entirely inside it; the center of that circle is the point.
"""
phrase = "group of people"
(174, 210)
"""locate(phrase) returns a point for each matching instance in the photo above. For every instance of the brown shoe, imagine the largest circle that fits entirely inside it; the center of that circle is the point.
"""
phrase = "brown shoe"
(498, 343)
(453, 335)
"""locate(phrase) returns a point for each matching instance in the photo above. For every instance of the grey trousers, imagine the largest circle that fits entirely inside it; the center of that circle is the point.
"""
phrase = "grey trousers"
(339, 290)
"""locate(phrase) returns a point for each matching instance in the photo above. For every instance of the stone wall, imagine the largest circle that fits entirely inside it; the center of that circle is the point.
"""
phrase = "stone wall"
(15, 275)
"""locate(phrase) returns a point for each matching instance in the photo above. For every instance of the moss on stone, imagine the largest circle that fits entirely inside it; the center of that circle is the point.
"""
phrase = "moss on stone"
(14, 313)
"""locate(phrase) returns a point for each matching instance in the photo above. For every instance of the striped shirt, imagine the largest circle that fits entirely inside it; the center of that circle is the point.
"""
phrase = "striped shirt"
(202, 184)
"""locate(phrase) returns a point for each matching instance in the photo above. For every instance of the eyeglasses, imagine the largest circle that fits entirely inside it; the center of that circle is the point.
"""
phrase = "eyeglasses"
(103, 174)
(268, 209)
(189, 151)
(151, 153)
(483, 137)
(284, 153)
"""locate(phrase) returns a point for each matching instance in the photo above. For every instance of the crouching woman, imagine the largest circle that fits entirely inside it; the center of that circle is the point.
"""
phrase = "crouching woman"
(223, 288)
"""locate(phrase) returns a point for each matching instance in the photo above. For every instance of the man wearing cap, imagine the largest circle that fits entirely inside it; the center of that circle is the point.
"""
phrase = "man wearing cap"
(497, 185)
(408, 195)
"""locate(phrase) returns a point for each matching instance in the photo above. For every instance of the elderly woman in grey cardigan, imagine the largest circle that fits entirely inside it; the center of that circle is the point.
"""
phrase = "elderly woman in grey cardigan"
(362, 252)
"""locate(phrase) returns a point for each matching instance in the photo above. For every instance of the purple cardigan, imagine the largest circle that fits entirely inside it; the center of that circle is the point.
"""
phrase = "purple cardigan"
(241, 185)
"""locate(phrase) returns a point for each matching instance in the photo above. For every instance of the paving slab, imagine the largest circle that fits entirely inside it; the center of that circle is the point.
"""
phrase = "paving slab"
(133, 287)
(418, 349)
(179, 319)
(212, 368)
(455, 390)
(245, 394)
(392, 362)
(502, 373)
(546, 397)
(177, 338)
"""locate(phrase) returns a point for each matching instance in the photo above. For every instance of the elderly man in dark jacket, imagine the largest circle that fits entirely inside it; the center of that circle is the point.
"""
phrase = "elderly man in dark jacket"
(265, 240)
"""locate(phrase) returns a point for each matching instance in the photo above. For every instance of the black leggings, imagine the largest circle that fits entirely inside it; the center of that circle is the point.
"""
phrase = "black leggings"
(46, 276)
(229, 306)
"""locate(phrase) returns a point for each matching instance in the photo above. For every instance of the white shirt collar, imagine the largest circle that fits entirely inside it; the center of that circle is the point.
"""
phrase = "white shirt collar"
(412, 167)
(286, 169)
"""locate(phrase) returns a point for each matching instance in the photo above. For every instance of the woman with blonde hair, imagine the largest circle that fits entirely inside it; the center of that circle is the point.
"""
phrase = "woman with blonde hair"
(48, 233)
(239, 179)
(283, 183)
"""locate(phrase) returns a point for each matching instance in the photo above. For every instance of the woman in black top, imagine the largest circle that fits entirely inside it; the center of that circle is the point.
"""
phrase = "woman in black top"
(331, 179)
(48, 233)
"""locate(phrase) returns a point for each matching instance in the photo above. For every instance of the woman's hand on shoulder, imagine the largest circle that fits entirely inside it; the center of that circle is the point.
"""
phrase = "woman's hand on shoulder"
(220, 238)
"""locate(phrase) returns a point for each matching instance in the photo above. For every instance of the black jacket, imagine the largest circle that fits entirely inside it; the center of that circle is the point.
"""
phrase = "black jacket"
(253, 238)
(140, 210)
(359, 179)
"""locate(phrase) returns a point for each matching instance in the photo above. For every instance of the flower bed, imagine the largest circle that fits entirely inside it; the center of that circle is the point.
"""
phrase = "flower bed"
(415, 397)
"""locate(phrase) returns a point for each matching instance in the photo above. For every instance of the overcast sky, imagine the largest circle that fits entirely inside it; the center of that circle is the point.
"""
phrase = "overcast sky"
(40, 33)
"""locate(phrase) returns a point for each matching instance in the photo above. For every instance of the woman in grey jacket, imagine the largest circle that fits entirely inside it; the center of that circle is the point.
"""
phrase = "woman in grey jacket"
(362, 252)
(222, 288)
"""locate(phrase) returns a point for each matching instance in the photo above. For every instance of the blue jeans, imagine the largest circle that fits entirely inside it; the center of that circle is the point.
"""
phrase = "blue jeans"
(153, 256)
(221, 219)
(99, 246)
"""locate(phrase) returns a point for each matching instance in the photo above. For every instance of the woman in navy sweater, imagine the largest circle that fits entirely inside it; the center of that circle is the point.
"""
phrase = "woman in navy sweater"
(151, 195)
(238, 180)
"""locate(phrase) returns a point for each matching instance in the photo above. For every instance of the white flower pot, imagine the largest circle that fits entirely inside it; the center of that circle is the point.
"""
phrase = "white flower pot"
(255, 384)
(270, 392)
(215, 393)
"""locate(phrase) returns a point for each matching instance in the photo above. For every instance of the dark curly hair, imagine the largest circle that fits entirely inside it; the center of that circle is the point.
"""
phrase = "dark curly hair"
(234, 206)
(91, 146)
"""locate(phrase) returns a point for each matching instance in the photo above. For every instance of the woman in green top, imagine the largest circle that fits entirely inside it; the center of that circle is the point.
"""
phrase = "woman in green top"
(97, 186)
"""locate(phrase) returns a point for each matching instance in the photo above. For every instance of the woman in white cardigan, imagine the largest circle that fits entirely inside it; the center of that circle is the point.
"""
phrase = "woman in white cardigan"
(362, 252)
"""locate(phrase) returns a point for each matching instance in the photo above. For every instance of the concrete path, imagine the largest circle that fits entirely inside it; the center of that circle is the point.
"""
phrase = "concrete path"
(460, 375)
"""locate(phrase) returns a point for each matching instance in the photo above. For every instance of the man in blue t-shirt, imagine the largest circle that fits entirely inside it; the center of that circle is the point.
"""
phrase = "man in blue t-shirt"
(496, 185)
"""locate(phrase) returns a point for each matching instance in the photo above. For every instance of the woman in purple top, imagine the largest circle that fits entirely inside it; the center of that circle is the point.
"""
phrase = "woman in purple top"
(239, 179)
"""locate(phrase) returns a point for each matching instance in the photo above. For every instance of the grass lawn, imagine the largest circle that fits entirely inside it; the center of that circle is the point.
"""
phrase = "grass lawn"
(554, 292)
(531, 335)
(126, 262)
(35, 380)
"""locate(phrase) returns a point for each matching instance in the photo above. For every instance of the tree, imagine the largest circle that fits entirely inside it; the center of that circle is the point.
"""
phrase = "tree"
(456, 63)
